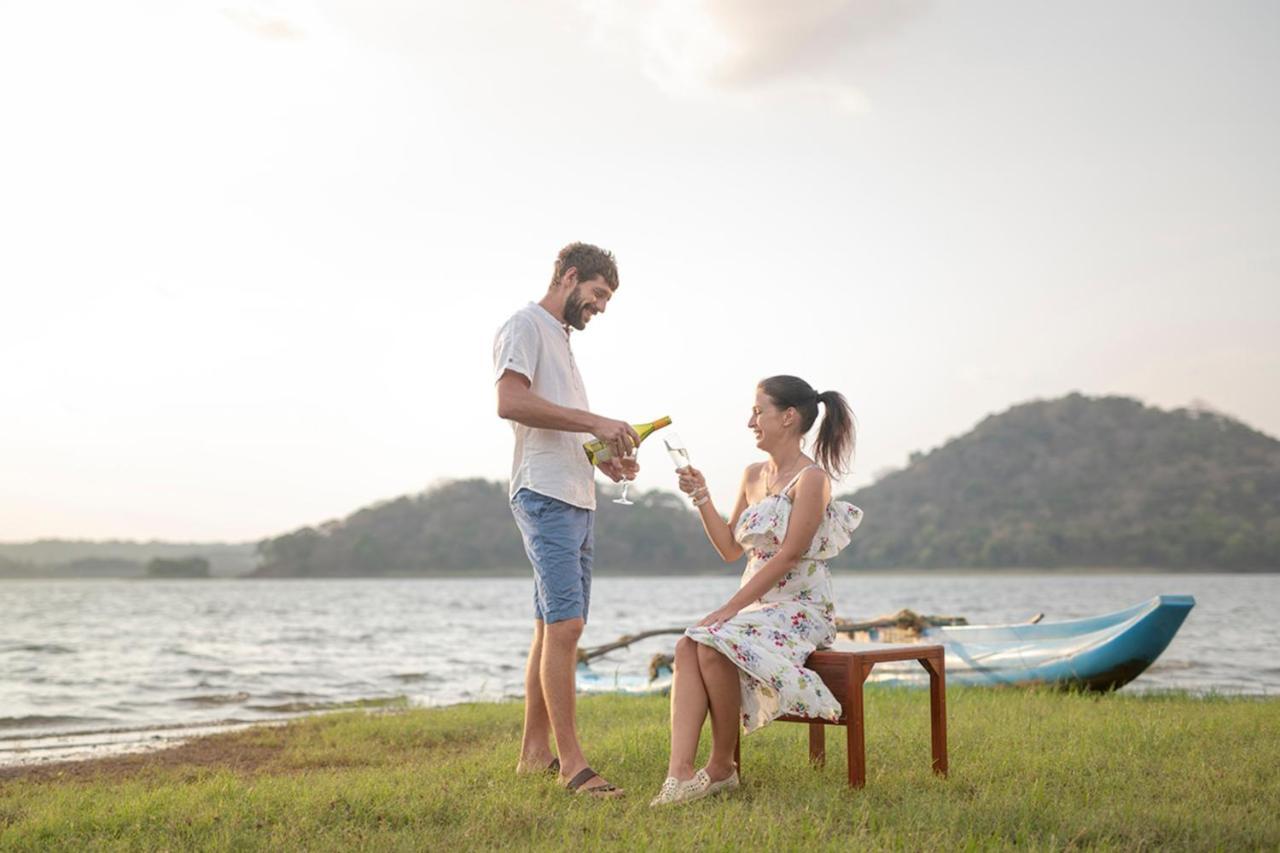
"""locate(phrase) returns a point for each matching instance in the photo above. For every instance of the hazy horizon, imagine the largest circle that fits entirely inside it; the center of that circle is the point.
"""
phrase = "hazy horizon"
(257, 249)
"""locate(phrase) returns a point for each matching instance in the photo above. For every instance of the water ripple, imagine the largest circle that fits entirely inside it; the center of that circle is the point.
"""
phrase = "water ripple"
(40, 648)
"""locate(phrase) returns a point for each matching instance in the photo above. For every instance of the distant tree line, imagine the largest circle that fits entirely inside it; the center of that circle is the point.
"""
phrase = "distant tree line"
(116, 558)
(108, 567)
(85, 567)
(465, 525)
(188, 567)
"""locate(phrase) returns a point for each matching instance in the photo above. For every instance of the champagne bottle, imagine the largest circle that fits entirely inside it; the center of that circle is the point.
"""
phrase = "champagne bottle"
(597, 451)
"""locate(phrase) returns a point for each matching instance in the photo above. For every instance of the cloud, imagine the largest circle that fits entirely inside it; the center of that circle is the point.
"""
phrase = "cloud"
(747, 44)
(270, 19)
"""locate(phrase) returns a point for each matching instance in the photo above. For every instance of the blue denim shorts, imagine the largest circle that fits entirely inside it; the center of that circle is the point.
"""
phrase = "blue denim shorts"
(559, 539)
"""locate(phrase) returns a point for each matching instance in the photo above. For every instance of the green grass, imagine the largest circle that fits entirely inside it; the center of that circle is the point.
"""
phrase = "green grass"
(1034, 770)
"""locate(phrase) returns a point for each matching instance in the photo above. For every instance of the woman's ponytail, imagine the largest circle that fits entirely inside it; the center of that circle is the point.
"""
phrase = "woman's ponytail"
(836, 436)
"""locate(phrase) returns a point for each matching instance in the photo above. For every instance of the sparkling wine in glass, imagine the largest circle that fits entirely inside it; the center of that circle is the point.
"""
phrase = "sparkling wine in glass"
(676, 450)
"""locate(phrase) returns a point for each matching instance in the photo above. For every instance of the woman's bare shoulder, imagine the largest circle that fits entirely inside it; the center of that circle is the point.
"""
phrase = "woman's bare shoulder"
(814, 479)
(752, 478)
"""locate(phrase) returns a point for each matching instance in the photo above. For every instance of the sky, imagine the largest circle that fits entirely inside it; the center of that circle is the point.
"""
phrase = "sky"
(253, 254)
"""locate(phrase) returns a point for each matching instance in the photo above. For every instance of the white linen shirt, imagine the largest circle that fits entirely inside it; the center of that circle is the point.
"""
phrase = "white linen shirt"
(547, 461)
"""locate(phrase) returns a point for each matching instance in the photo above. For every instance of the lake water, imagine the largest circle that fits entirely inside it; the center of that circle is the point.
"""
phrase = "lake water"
(99, 656)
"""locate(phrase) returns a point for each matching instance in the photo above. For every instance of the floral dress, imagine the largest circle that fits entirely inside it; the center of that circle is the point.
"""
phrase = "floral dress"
(770, 639)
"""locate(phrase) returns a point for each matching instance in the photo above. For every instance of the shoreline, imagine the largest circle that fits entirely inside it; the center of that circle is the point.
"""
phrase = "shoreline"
(123, 750)
(54, 749)
(47, 748)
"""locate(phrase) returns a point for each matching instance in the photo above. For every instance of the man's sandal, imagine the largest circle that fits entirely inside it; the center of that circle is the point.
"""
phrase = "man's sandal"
(604, 791)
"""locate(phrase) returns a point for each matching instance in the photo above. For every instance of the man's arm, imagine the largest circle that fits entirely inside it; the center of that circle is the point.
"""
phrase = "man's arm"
(517, 402)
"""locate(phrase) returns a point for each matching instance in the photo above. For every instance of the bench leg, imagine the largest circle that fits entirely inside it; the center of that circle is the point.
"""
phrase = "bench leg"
(937, 711)
(854, 735)
(817, 744)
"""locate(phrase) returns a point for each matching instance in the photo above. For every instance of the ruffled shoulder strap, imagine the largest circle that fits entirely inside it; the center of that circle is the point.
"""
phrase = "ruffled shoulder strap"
(796, 479)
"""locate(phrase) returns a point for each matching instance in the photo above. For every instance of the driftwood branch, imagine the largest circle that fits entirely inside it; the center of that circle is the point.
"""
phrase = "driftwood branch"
(585, 655)
(907, 620)
(903, 619)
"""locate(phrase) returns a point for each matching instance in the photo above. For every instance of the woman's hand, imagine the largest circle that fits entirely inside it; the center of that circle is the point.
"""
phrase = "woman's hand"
(721, 614)
(692, 483)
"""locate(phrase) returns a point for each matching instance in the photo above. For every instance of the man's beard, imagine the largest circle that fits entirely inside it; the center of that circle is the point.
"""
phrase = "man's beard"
(573, 309)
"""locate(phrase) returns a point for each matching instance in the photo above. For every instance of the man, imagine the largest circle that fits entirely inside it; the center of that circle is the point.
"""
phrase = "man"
(553, 495)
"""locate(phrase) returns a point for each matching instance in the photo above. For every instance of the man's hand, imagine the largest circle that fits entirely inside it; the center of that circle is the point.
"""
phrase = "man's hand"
(619, 435)
(630, 467)
(618, 470)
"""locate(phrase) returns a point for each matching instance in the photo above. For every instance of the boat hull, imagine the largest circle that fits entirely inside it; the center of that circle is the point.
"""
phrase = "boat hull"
(1097, 653)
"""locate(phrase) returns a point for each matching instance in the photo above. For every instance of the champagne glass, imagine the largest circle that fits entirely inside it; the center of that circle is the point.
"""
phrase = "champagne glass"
(626, 482)
(676, 450)
(679, 454)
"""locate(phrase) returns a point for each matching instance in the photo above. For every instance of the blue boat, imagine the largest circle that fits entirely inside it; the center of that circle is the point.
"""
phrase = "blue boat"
(1095, 653)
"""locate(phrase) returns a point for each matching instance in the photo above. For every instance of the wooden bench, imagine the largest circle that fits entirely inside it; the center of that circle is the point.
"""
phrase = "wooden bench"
(844, 669)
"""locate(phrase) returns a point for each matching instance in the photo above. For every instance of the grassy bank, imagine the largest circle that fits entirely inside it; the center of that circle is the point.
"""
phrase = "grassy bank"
(1032, 770)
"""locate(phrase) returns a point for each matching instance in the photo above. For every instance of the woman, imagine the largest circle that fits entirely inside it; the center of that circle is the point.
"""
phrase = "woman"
(744, 662)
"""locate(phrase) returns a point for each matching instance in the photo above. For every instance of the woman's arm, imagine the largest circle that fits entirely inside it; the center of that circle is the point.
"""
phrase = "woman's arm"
(812, 495)
(718, 530)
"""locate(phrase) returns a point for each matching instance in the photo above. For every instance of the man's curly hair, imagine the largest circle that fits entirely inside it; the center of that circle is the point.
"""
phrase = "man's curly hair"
(590, 261)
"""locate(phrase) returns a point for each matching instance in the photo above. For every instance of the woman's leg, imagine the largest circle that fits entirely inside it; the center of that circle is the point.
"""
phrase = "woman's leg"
(721, 682)
(688, 709)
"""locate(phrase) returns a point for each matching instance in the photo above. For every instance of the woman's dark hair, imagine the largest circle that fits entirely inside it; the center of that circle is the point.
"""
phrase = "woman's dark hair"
(836, 435)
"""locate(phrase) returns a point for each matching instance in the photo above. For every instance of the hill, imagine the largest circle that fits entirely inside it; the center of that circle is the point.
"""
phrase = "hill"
(1082, 481)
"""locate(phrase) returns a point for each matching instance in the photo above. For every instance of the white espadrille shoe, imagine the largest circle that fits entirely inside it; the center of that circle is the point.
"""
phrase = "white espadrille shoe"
(674, 791)
(724, 785)
(667, 793)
